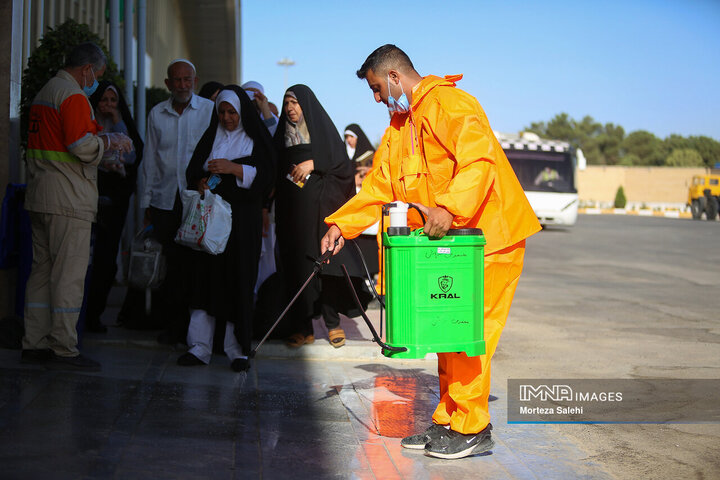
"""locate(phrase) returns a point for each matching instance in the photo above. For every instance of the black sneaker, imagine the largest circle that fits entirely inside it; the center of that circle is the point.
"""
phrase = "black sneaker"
(240, 364)
(79, 362)
(419, 440)
(452, 444)
(187, 359)
(36, 356)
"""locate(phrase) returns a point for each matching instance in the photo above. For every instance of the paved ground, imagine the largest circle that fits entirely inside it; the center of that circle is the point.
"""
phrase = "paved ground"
(625, 297)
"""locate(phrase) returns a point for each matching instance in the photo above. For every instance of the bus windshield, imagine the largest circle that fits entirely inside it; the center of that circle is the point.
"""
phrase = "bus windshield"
(540, 171)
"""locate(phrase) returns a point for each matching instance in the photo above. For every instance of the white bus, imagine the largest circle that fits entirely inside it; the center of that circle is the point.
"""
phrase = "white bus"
(546, 170)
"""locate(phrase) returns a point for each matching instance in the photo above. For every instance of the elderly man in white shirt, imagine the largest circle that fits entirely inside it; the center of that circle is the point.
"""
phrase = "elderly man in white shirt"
(174, 128)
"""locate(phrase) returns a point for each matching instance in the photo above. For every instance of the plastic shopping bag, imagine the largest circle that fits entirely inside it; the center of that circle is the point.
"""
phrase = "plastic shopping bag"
(146, 268)
(218, 224)
(206, 222)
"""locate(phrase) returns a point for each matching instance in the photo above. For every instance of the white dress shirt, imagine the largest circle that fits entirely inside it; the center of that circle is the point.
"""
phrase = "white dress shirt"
(170, 141)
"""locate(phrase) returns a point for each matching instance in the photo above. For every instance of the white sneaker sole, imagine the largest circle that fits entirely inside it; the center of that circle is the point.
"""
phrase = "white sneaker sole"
(481, 447)
(414, 447)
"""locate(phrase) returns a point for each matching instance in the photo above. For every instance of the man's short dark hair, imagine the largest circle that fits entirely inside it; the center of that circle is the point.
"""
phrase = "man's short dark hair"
(387, 57)
(86, 53)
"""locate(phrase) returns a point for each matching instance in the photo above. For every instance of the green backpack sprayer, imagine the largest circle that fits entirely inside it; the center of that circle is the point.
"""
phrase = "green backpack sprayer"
(434, 299)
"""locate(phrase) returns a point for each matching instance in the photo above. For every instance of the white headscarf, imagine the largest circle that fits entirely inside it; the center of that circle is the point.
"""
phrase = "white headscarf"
(252, 84)
(234, 144)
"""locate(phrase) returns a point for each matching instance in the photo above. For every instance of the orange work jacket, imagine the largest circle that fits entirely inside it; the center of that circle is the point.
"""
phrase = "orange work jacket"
(443, 154)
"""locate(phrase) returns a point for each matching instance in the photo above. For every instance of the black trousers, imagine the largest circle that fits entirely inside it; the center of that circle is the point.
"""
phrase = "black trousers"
(106, 232)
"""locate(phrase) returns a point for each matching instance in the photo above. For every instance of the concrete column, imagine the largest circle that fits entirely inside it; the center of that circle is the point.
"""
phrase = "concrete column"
(39, 22)
(27, 32)
(51, 14)
(238, 42)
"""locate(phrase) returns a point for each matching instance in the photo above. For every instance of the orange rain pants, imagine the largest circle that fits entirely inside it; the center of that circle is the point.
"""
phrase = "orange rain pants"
(465, 381)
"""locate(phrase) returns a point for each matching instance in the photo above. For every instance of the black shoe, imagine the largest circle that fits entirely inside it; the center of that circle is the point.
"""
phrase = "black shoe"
(452, 444)
(240, 365)
(419, 440)
(79, 362)
(36, 357)
(187, 359)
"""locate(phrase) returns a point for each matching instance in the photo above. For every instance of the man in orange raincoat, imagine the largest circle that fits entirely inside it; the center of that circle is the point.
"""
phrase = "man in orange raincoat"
(440, 154)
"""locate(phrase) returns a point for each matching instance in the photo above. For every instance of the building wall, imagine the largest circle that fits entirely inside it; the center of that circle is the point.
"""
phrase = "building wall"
(166, 39)
(653, 186)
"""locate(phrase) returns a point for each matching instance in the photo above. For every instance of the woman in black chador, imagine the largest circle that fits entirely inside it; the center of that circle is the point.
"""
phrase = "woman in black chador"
(116, 183)
(238, 149)
(315, 178)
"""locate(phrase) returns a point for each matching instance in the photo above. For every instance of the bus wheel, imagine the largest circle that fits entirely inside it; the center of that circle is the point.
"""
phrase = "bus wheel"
(695, 209)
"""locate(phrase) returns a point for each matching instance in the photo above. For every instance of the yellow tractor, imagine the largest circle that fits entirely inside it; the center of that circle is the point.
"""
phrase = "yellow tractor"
(704, 196)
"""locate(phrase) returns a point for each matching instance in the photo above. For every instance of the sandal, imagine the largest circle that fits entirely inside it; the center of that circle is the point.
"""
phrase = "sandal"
(337, 337)
(297, 340)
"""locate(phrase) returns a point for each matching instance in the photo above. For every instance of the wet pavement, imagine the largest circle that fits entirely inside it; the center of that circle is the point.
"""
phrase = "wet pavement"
(311, 413)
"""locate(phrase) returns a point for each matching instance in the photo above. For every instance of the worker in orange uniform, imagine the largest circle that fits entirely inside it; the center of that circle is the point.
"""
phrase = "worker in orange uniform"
(440, 154)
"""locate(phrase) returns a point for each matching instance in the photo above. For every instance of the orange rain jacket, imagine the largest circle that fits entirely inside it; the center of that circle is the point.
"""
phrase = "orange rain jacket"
(443, 154)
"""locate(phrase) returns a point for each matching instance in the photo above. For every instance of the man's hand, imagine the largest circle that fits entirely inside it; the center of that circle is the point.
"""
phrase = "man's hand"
(438, 220)
(117, 141)
(328, 241)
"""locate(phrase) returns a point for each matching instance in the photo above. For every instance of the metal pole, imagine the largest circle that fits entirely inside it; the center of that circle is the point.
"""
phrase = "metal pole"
(115, 30)
(141, 39)
(128, 55)
(286, 63)
(140, 99)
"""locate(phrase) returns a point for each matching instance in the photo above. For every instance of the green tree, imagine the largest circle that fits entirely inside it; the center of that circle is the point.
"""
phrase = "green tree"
(610, 141)
(49, 57)
(629, 160)
(684, 157)
(608, 145)
(620, 200)
(708, 148)
(647, 147)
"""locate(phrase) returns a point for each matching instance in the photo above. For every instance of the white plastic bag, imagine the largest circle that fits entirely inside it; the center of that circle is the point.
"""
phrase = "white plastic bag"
(206, 222)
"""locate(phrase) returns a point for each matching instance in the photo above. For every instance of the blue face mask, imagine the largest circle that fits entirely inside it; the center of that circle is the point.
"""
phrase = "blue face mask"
(91, 89)
(397, 106)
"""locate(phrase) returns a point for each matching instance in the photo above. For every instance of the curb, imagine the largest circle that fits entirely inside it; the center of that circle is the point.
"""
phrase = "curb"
(641, 213)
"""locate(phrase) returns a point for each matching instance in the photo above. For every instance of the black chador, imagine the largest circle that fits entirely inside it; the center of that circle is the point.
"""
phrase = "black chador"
(300, 211)
(223, 285)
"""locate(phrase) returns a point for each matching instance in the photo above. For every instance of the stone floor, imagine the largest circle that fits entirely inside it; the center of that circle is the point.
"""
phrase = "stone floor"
(311, 413)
